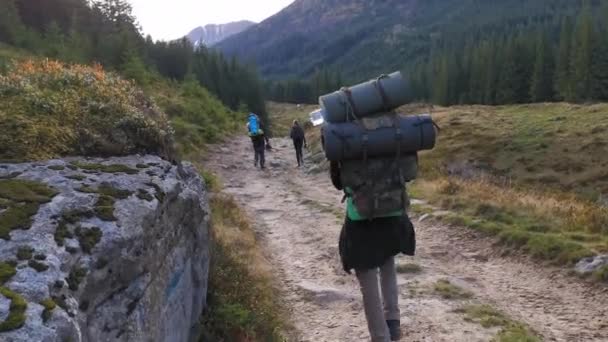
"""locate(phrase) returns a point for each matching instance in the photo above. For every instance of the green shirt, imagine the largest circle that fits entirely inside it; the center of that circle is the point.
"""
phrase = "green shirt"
(353, 214)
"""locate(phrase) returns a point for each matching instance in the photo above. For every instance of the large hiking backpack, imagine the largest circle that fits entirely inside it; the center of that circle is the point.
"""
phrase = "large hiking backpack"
(377, 184)
(375, 146)
(254, 125)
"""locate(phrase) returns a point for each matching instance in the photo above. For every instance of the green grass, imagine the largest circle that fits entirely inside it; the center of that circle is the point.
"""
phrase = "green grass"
(38, 266)
(16, 315)
(409, 268)
(7, 271)
(25, 253)
(22, 199)
(75, 277)
(489, 317)
(113, 168)
(88, 238)
(447, 290)
(49, 305)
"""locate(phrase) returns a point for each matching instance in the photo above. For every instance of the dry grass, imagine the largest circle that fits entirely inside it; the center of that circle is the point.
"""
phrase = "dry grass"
(243, 301)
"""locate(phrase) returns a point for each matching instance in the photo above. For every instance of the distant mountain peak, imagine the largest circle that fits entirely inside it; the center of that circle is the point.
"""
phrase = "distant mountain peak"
(212, 34)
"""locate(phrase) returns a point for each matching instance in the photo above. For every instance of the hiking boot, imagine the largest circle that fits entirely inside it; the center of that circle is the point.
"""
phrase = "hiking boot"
(394, 328)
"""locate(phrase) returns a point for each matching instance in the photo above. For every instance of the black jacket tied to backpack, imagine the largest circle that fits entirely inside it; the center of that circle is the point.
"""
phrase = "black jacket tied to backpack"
(368, 244)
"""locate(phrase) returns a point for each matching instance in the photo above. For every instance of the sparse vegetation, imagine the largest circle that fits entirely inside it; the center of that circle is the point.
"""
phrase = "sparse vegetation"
(489, 317)
(119, 118)
(88, 238)
(447, 290)
(38, 266)
(75, 277)
(16, 314)
(49, 305)
(409, 268)
(25, 253)
(242, 299)
(7, 271)
(22, 200)
(113, 168)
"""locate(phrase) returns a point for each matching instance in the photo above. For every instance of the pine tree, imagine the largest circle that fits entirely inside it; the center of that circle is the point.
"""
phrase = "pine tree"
(582, 50)
(599, 60)
(542, 77)
(11, 28)
(563, 80)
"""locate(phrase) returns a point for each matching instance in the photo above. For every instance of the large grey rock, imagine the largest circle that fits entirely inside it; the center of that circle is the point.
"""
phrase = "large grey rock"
(146, 279)
(592, 264)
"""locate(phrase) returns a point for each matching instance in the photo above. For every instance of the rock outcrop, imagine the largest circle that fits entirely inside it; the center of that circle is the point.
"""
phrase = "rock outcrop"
(102, 250)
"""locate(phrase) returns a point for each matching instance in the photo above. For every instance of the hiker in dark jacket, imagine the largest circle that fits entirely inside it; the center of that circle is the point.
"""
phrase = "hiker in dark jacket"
(369, 246)
(260, 143)
(299, 140)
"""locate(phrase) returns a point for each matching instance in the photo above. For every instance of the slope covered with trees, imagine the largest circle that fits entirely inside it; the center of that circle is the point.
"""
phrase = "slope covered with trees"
(106, 32)
(456, 51)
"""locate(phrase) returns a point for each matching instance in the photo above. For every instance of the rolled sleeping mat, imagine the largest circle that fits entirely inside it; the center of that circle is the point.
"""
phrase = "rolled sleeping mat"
(343, 141)
(381, 95)
(352, 172)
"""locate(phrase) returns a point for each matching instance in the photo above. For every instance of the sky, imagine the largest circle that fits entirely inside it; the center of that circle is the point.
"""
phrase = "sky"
(171, 19)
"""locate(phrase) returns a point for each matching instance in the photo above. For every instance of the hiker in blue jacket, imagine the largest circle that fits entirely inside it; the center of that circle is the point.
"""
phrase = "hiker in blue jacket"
(258, 138)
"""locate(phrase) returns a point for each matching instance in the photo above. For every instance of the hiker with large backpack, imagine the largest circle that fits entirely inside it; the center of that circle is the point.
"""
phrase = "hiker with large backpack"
(258, 138)
(373, 154)
(299, 140)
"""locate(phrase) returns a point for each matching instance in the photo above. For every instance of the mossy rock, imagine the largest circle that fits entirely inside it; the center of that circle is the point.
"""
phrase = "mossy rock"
(104, 208)
(75, 277)
(22, 199)
(77, 177)
(7, 271)
(144, 195)
(25, 253)
(49, 305)
(56, 167)
(40, 257)
(62, 232)
(76, 215)
(159, 194)
(16, 315)
(18, 190)
(88, 238)
(38, 266)
(113, 168)
(18, 216)
(142, 166)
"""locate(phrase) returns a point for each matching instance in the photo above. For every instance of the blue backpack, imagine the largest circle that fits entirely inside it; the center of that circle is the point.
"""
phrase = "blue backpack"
(254, 125)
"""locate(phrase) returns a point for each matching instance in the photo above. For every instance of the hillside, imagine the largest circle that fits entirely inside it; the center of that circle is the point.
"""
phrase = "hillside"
(212, 34)
(364, 38)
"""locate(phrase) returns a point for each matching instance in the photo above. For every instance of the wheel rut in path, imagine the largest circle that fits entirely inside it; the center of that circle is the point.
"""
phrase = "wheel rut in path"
(298, 217)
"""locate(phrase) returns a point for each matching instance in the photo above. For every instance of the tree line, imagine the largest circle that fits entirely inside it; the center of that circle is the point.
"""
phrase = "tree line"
(323, 81)
(544, 59)
(106, 32)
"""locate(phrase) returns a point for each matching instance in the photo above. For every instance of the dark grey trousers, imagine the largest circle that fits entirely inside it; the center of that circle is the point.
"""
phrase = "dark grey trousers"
(381, 303)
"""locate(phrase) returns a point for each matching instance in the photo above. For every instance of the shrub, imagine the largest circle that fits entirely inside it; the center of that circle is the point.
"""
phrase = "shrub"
(49, 109)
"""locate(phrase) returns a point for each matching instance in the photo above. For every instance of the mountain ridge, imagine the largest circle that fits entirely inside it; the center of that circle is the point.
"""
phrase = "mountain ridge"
(212, 34)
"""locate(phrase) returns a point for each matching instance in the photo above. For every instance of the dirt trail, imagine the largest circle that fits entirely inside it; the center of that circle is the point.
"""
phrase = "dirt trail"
(299, 216)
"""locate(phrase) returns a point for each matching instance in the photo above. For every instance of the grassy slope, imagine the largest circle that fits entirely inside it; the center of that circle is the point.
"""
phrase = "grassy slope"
(531, 174)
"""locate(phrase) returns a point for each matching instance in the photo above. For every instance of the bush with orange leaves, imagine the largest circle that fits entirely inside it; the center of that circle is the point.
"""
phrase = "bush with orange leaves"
(49, 109)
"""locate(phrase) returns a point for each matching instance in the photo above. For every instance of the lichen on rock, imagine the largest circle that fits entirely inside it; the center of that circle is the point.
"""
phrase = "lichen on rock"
(123, 256)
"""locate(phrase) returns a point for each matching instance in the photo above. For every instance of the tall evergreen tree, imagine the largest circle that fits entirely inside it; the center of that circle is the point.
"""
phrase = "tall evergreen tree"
(542, 77)
(563, 79)
(582, 51)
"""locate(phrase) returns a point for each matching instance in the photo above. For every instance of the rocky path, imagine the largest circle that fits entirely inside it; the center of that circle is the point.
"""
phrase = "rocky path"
(298, 216)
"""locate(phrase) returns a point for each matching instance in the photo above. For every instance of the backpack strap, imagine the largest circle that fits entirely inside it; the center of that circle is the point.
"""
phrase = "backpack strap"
(378, 85)
(351, 108)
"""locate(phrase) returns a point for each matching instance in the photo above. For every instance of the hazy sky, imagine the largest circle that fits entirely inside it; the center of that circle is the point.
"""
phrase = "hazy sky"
(171, 19)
